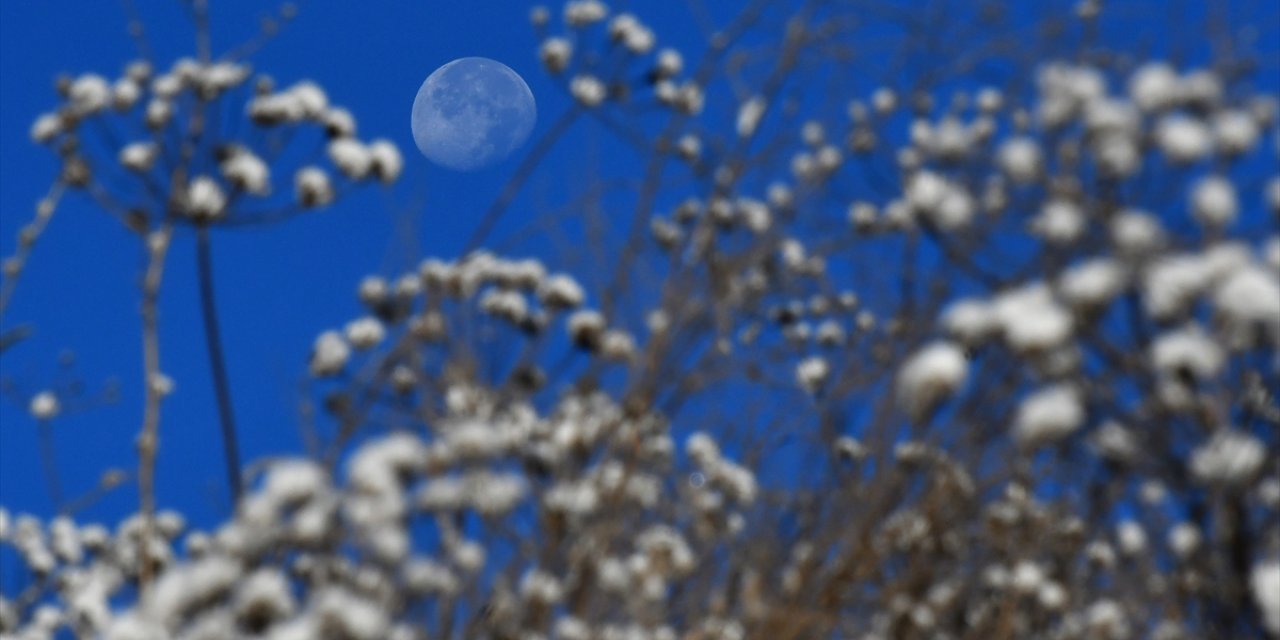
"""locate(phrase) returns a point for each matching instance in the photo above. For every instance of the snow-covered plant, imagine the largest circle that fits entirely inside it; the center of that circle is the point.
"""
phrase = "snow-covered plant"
(990, 350)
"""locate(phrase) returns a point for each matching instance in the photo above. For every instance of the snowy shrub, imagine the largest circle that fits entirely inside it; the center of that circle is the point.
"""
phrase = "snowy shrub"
(896, 324)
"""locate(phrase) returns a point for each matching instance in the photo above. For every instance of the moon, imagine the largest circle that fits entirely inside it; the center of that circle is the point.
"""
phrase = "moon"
(472, 113)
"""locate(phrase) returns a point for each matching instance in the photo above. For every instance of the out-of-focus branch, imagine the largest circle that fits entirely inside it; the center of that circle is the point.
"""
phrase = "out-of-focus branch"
(217, 363)
(154, 381)
(526, 169)
(27, 237)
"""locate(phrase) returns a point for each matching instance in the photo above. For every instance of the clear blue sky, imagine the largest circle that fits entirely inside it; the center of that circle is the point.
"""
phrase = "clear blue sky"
(277, 286)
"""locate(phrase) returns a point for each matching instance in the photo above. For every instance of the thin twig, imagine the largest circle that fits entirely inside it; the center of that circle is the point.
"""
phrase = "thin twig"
(204, 42)
(27, 237)
(527, 166)
(50, 463)
(136, 29)
(217, 364)
(110, 480)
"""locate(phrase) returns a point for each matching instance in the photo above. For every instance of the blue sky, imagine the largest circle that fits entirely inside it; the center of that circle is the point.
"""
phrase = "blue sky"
(277, 286)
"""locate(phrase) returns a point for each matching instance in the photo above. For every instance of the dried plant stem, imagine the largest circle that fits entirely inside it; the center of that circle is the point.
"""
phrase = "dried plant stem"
(148, 440)
(27, 237)
(110, 480)
(137, 31)
(217, 363)
(50, 463)
(270, 27)
(200, 14)
(523, 172)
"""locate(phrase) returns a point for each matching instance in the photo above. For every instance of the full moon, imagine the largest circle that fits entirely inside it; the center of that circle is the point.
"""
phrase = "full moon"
(472, 113)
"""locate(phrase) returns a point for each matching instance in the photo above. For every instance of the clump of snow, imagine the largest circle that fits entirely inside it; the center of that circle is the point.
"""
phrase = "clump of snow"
(44, 406)
(313, 187)
(1248, 304)
(1187, 352)
(1093, 283)
(1031, 320)
(1154, 86)
(1048, 416)
(1229, 458)
(205, 199)
(1059, 222)
(1214, 203)
(1136, 233)
(1264, 581)
(330, 354)
(588, 90)
(812, 372)
(930, 375)
(1183, 139)
(1021, 159)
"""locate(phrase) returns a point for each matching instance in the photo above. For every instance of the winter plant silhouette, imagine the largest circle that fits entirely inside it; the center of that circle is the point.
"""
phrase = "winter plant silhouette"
(937, 321)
